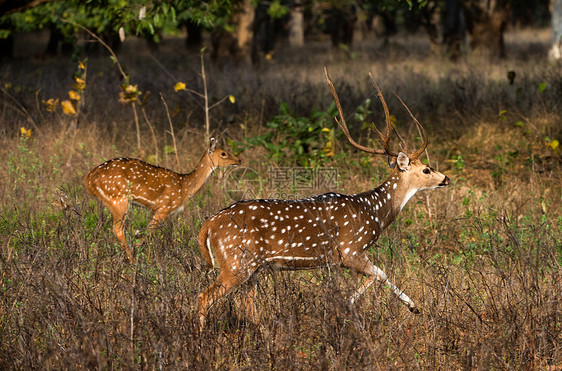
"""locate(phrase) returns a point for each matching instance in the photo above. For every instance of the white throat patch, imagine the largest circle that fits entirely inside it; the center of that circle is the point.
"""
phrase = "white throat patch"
(407, 197)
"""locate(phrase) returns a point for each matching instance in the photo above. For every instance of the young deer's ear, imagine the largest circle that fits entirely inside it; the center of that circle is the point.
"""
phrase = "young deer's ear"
(403, 161)
(212, 145)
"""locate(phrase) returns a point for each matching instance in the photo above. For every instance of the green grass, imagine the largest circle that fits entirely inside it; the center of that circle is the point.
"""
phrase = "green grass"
(481, 257)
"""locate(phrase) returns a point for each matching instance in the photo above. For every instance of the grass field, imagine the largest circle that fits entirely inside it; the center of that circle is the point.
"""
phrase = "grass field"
(481, 258)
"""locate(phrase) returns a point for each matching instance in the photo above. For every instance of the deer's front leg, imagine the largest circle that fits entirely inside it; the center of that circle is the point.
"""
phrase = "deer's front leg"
(248, 301)
(363, 265)
(160, 214)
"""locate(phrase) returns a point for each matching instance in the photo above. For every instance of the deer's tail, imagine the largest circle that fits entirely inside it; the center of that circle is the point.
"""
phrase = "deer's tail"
(205, 244)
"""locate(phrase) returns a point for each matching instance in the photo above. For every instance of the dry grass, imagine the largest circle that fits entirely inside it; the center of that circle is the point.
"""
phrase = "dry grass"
(481, 258)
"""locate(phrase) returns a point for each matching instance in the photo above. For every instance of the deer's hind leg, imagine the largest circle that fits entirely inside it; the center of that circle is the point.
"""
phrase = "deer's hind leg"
(119, 210)
(229, 279)
(224, 284)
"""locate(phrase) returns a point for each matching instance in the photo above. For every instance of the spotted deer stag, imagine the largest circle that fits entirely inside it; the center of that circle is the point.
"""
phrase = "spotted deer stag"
(119, 181)
(329, 229)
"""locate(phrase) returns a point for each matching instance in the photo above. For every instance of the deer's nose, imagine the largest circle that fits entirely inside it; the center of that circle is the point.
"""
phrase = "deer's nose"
(445, 182)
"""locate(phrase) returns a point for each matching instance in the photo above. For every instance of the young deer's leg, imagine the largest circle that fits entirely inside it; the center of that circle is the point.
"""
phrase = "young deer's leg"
(363, 265)
(119, 210)
(159, 216)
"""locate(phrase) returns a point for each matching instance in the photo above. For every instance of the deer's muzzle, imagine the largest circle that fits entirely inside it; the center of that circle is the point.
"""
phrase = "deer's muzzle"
(445, 182)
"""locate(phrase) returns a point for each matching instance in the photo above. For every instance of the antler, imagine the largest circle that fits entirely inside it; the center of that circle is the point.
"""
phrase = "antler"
(415, 154)
(389, 125)
(385, 139)
(343, 125)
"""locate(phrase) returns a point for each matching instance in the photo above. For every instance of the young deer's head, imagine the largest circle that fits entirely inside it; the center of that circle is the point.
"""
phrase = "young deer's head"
(216, 157)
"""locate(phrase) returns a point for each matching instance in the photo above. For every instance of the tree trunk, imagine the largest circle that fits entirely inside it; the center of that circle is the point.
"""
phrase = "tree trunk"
(487, 20)
(7, 47)
(296, 25)
(430, 20)
(341, 23)
(194, 38)
(244, 19)
(55, 38)
(555, 52)
(454, 28)
(236, 44)
(264, 34)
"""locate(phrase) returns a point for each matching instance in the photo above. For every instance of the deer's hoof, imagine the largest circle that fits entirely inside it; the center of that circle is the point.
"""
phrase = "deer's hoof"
(414, 309)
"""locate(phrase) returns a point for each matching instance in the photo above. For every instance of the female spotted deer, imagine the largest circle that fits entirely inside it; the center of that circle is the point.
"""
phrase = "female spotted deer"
(329, 229)
(121, 180)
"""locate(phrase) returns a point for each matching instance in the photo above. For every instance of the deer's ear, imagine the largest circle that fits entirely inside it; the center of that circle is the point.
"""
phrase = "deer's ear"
(212, 145)
(403, 161)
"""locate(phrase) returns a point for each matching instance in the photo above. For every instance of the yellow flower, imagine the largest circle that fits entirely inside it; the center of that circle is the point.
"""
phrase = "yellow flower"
(329, 147)
(26, 133)
(179, 86)
(231, 99)
(68, 108)
(74, 95)
(79, 83)
(554, 145)
(51, 104)
(128, 93)
(81, 65)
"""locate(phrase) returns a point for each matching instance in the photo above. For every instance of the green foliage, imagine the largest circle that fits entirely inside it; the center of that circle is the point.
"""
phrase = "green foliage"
(107, 17)
(503, 160)
(137, 17)
(458, 162)
(308, 141)
(210, 14)
(293, 140)
(24, 165)
(502, 115)
(362, 114)
(277, 10)
(420, 3)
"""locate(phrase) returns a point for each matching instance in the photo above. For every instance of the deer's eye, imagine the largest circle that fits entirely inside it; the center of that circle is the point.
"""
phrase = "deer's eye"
(426, 171)
(223, 154)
